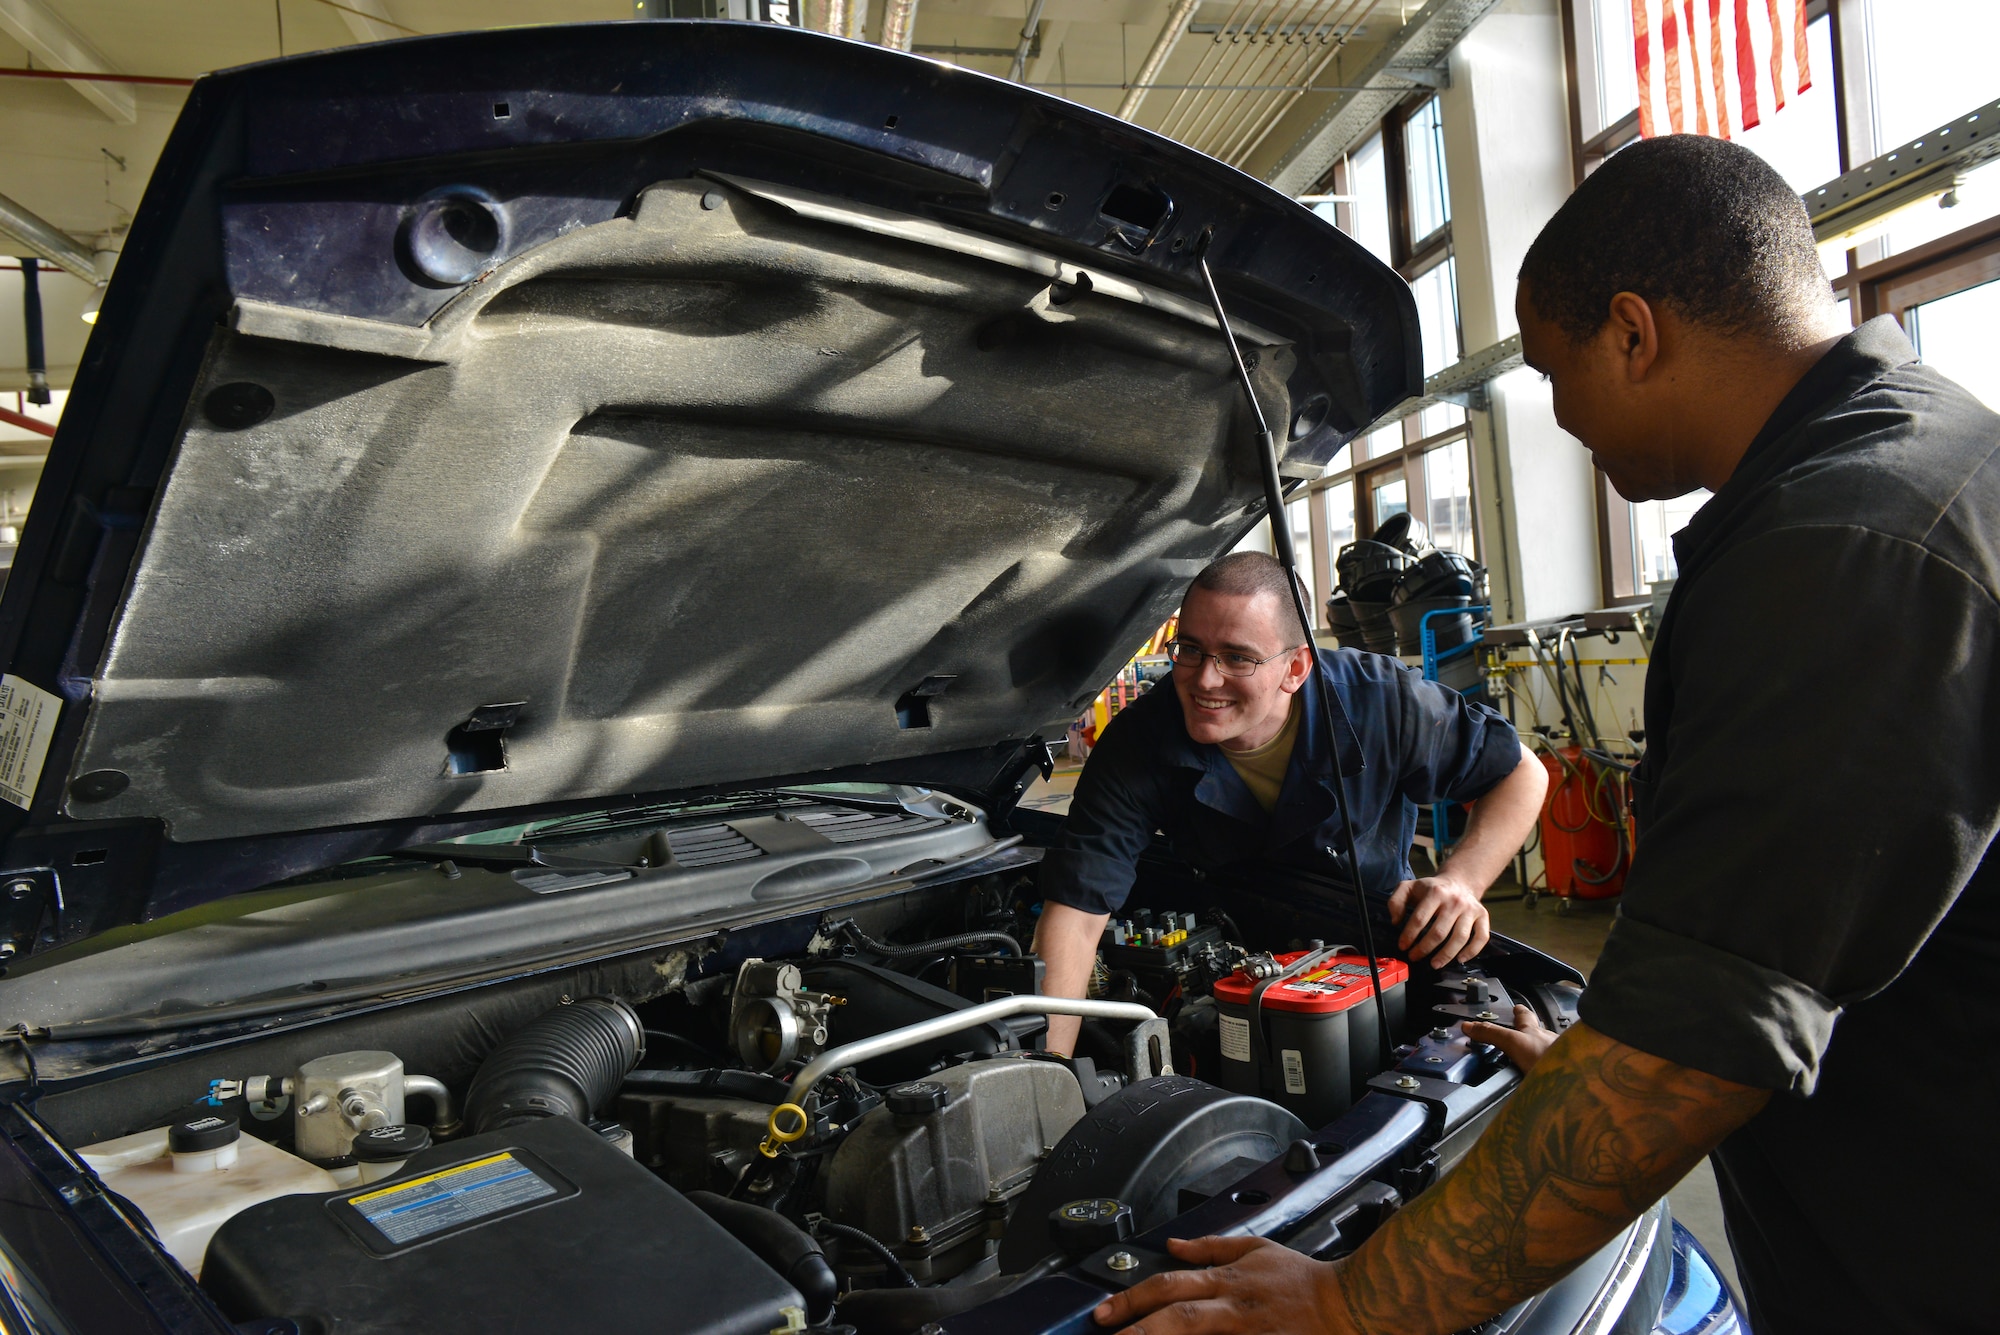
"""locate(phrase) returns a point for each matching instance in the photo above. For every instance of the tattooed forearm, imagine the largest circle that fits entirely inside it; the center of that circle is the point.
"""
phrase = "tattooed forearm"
(1598, 1132)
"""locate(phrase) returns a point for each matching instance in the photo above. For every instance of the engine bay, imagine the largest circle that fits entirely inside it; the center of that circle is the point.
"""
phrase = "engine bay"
(859, 1132)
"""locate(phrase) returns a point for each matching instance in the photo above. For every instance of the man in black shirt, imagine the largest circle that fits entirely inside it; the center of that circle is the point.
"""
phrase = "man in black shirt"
(1794, 981)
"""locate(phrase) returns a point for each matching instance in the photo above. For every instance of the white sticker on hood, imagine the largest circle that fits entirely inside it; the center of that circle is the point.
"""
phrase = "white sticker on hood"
(27, 721)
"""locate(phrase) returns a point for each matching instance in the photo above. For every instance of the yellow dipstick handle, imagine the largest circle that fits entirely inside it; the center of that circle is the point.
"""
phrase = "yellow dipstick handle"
(775, 1138)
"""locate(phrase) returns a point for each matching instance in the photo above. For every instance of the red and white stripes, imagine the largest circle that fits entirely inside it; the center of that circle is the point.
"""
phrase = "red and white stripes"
(1717, 66)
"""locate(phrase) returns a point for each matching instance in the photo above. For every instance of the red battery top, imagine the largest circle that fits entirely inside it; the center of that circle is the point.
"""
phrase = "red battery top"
(1337, 985)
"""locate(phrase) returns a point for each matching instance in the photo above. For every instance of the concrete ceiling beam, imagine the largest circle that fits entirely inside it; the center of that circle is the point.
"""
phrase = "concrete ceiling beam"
(52, 41)
(369, 21)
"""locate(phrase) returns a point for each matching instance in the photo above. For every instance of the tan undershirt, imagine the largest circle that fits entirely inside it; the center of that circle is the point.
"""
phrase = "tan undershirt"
(1263, 770)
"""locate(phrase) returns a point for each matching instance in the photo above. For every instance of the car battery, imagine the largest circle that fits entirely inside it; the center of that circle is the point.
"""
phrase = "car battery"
(1311, 1041)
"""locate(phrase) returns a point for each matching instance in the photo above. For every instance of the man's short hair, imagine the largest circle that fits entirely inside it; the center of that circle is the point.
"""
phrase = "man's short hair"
(1243, 573)
(1699, 224)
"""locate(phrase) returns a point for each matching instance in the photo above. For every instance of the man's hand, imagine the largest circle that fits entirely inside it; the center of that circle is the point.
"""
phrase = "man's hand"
(1253, 1287)
(1441, 916)
(1524, 1044)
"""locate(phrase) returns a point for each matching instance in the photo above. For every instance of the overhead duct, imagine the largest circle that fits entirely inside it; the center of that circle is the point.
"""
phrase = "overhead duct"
(33, 235)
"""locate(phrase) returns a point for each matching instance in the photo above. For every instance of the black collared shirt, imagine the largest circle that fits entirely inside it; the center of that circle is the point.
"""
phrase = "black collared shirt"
(1404, 743)
(1813, 907)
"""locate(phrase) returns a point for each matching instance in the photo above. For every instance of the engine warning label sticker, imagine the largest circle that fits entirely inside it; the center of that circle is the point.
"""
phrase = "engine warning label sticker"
(451, 1198)
(27, 721)
(1235, 1038)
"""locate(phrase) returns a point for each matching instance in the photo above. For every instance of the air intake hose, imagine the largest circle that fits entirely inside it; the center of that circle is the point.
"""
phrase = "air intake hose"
(564, 1064)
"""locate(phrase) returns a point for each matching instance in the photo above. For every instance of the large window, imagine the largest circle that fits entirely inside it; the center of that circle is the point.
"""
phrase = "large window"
(1804, 143)
(1394, 197)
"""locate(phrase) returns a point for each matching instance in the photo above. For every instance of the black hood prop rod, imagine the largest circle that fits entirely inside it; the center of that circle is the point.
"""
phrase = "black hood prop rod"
(1281, 543)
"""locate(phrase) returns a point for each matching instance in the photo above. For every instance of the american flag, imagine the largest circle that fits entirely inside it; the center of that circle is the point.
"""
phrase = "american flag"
(1717, 67)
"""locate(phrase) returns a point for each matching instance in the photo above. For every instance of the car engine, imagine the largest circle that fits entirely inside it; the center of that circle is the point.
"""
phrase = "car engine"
(864, 1134)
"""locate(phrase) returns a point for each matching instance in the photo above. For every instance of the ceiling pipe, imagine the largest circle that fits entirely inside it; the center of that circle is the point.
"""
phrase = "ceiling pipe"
(80, 76)
(899, 24)
(1028, 31)
(25, 422)
(44, 240)
(1163, 46)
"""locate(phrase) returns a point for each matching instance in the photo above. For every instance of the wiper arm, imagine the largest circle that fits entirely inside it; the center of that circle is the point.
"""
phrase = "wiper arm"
(502, 857)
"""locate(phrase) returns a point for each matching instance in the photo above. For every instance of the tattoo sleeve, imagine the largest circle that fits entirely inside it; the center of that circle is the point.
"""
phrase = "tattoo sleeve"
(1596, 1133)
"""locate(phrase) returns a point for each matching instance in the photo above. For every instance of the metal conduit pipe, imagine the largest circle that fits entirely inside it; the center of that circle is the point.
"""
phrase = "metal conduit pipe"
(1278, 113)
(1028, 31)
(895, 1040)
(899, 24)
(1163, 46)
(1204, 69)
(1250, 62)
(1288, 50)
(44, 240)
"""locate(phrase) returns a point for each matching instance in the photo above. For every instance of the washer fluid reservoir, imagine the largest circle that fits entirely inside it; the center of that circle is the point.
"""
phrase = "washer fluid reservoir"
(188, 1178)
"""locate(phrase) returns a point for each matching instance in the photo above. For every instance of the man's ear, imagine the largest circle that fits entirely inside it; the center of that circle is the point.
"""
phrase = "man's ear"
(1634, 334)
(1296, 669)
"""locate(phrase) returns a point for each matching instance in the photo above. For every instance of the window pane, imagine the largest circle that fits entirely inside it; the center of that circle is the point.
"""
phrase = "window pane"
(1389, 497)
(1955, 335)
(1617, 69)
(1654, 524)
(1339, 517)
(1387, 440)
(1423, 146)
(1343, 460)
(1436, 290)
(1299, 514)
(1448, 492)
(1929, 61)
(1368, 183)
(1803, 141)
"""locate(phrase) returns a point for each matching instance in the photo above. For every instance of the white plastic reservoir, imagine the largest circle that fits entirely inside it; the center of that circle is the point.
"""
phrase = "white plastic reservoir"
(187, 1195)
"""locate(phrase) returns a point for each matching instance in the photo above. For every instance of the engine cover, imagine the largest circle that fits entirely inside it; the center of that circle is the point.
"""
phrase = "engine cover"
(1161, 1146)
(934, 1171)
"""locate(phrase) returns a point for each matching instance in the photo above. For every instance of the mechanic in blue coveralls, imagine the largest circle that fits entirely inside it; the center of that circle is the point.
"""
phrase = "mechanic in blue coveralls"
(1234, 766)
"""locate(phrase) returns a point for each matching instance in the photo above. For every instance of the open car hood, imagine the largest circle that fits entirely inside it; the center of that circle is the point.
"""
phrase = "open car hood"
(486, 424)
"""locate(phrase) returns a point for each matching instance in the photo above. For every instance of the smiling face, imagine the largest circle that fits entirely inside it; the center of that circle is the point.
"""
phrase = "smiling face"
(1239, 713)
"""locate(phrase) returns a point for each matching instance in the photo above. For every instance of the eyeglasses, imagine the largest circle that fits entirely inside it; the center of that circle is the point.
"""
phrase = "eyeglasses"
(1229, 665)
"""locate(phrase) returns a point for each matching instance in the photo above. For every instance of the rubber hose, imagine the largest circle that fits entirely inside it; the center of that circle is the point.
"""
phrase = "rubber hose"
(905, 1311)
(780, 1244)
(882, 1253)
(565, 1064)
(963, 941)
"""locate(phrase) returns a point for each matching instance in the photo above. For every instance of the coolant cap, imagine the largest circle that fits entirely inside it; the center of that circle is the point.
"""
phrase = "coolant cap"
(919, 1098)
(388, 1144)
(210, 1131)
